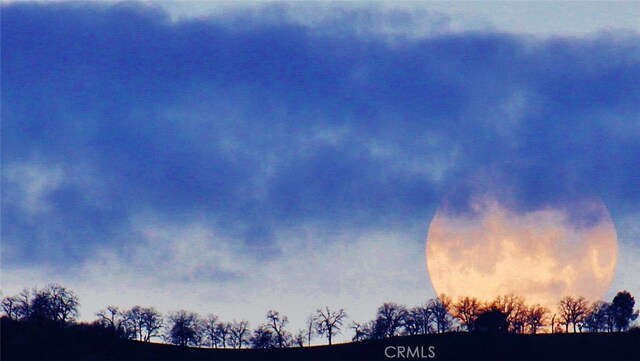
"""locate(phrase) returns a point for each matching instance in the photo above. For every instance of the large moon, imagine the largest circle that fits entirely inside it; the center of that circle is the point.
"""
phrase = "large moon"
(540, 255)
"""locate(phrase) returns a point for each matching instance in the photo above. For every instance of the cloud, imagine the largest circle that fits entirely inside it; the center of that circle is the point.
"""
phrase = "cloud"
(173, 266)
(115, 113)
(422, 18)
(391, 21)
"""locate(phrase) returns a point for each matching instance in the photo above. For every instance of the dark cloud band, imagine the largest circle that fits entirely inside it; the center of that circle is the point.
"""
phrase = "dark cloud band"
(262, 128)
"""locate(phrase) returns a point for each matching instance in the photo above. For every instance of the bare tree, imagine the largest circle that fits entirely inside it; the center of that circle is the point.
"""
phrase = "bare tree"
(597, 316)
(184, 328)
(358, 330)
(329, 322)
(18, 307)
(439, 308)
(390, 318)
(147, 322)
(24, 306)
(239, 331)
(310, 328)
(134, 317)
(535, 317)
(209, 330)
(41, 310)
(11, 307)
(466, 310)
(116, 320)
(425, 317)
(223, 331)
(299, 338)
(152, 323)
(513, 306)
(263, 337)
(572, 311)
(53, 305)
(519, 318)
(610, 321)
(108, 317)
(368, 330)
(412, 323)
(276, 324)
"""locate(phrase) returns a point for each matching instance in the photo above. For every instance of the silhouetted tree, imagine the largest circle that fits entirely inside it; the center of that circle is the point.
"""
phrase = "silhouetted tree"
(24, 306)
(535, 317)
(519, 319)
(622, 310)
(439, 308)
(610, 322)
(424, 317)
(513, 306)
(596, 318)
(223, 331)
(53, 305)
(572, 311)
(299, 338)
(365, 331)
(412, 324)
(358, 330)
(310, 328)
(492, 320)
(276, 323)
(184, 328)
(146, 321)
(209, 330)
(116, 320)
(554, 322)
(134, 317)
(11, 307)
(21, 304)
(239, 332)
(263, 337)
(466, 310)
(329, 322)
(41, 311)
(390, 318)
(109, 317)
(152, 323)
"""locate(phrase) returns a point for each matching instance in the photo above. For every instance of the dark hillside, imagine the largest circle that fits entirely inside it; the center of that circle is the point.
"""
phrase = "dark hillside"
(21, 341)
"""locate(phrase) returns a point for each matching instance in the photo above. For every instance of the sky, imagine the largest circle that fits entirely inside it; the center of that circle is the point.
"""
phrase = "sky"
(235, 158)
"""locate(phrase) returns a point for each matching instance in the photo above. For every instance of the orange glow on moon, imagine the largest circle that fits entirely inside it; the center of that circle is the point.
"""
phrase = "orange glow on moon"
(539, 255)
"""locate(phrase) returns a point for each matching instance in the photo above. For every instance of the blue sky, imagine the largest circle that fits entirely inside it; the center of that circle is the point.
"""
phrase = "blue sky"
(238, 158)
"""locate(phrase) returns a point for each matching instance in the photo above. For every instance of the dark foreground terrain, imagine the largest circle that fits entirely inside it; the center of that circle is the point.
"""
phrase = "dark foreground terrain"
(22, 341)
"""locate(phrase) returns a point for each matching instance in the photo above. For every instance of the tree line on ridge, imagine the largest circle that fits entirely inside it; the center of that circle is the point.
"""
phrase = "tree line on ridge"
(55, 306)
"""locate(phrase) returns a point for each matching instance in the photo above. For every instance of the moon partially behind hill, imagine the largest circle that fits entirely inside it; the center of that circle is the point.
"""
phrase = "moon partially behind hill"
(540, 255)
